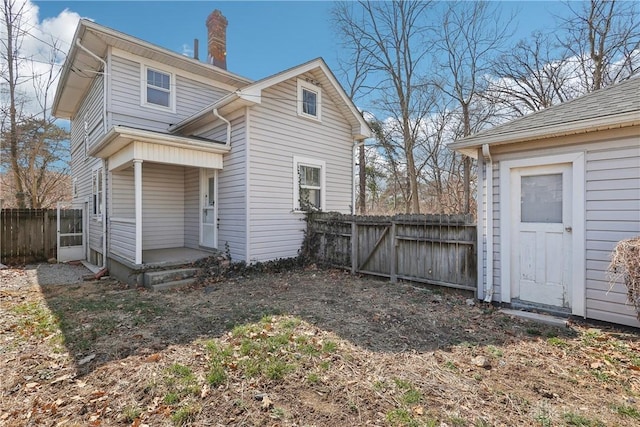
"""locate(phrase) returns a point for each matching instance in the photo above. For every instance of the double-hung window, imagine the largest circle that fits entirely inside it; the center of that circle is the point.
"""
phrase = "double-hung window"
(97, 192)
(309, 185)
(158, 88)
(309, 100)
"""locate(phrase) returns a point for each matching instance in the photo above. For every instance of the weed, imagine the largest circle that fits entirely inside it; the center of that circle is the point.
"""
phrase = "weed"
(543, 416)
(457, 421)
(130, 413)
(37, 320)
(557, 342)
(572, 419)
(277, 369)
(451, 366)
(329, 347)
(601, 375)
(309, 350)
(402, 384)
(494, 351)
(184, 415)
(171, 398)
(628, 411)
(401, 417)
(217, 375)
(325, 365)
(277, 413)
(412, 397)
(313, 378)
(379, 385)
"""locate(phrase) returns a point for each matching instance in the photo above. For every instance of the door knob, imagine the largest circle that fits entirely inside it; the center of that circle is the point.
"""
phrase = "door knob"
(568, 229)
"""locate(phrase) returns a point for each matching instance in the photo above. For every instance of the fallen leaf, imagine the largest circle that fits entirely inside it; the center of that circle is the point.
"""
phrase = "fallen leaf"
(153, 358)
(596, 365)
(418, 410)
(62, 378)
(32, 385)
(266, 403)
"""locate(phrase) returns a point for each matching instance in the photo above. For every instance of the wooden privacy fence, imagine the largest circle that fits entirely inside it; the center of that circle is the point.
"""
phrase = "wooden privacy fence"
(30, 235)
(434, 249)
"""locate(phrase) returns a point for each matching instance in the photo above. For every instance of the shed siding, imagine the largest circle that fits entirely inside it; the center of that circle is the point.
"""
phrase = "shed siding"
(277, 135)
(121, 234)
(613, 213)
(612, 199)
(126, 108)
(162, 206)
(232, 189)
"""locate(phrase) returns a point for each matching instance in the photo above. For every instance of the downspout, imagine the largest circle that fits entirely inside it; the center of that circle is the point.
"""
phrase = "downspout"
(488, 293)
(104, 132)
(355, 145)
(215, 113)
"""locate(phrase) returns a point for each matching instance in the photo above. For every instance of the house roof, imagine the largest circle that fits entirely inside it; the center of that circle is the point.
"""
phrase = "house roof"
(252, 94)
(614, 106)
(82, 65)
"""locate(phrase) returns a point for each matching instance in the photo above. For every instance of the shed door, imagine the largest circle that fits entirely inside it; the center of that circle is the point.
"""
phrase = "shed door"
(541, 232)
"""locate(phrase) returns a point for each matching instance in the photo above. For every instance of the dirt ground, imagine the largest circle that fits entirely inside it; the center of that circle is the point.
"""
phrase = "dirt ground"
(307, 347)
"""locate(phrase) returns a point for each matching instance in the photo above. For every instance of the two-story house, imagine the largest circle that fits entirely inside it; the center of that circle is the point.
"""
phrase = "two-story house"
(173, 156)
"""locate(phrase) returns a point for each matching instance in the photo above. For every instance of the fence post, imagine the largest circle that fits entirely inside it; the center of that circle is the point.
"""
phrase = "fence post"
(354, 247)
(393, 273)
(45, 231)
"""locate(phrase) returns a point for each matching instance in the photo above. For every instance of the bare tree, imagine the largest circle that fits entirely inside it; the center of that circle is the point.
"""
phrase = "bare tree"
(471, 37)
(531, 77)
(34, 148)
(387, 39)
(603, 38)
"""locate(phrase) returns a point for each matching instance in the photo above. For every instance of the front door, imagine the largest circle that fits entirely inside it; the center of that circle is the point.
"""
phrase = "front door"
(209, 211)
(541, 210)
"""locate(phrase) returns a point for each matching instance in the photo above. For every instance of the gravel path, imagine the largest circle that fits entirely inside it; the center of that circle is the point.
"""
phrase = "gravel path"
(42, 274)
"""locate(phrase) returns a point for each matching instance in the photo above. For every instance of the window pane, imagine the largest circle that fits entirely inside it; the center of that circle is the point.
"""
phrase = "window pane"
(541, 198)
(211, 195)
(309, 176)
(309, 102)
(158, 97)
(70, 240)
(155, 78)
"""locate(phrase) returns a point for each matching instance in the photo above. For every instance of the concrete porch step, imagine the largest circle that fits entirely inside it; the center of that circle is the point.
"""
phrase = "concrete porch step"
(171, 285)
(153, 278)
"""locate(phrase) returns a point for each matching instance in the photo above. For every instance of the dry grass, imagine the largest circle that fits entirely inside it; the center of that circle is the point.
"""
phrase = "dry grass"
(316, 348)
(625, 265)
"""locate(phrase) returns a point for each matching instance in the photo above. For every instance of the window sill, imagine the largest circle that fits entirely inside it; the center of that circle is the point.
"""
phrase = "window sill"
(308, 117)
(158, 108)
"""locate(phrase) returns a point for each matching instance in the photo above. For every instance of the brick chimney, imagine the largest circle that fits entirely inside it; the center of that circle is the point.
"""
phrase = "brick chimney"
(217, 39)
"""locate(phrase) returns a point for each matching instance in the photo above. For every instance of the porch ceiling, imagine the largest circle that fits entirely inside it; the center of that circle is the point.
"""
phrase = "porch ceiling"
(123, 145)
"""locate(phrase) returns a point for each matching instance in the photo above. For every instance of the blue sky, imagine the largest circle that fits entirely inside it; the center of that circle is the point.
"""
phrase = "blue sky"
(263, 37)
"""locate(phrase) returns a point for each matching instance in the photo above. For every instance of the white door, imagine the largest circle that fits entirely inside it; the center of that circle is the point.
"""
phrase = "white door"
(541, 210)
(70, 236)
(209, 211)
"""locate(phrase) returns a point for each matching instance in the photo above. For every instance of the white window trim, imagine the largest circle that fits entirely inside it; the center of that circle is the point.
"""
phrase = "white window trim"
(303, 84)
(98, 215)
(143, 88)
(305, 161)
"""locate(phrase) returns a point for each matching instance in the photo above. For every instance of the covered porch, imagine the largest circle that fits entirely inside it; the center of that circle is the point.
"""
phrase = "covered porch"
(160, 198)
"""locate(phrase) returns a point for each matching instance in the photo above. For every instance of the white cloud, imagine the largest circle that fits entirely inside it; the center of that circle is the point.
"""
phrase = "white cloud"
(45, 44)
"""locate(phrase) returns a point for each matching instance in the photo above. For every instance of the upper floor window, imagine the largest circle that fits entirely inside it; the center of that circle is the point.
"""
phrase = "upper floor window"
(309, 99)
(158, 89)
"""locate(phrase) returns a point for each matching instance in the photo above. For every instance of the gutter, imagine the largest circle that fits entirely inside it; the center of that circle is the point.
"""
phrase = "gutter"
(228, 142)
(104, 132)
(488, 292)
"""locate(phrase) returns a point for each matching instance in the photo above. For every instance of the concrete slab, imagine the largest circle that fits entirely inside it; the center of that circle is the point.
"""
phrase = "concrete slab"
(536, 317)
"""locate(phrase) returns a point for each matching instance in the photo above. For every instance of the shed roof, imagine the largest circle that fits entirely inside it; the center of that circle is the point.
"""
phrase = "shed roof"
(614, 106)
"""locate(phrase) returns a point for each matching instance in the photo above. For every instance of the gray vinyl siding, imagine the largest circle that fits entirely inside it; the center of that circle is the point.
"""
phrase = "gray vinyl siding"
(277, 134)
(91, 112)
(613, 214)
(162, 206)
(126, 108)
(191, 207)
(232, 190)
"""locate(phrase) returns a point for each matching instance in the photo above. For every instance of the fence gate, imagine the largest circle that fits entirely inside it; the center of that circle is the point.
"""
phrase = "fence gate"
(70, 230)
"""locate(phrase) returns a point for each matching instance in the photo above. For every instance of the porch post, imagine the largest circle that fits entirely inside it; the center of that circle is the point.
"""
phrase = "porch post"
(137, 184)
